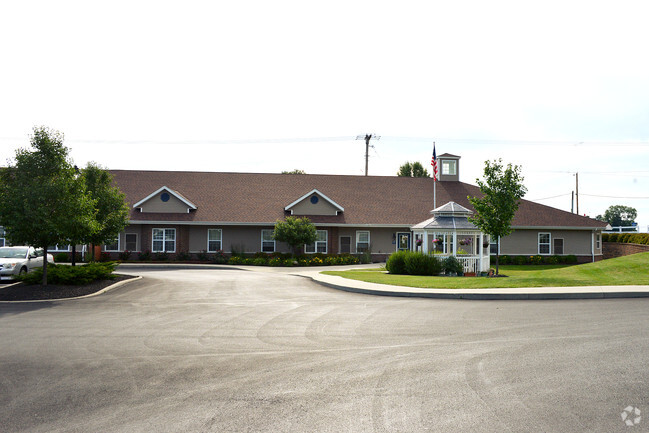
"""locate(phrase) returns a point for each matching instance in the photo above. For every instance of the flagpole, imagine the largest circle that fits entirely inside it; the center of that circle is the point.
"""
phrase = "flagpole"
(433, 162)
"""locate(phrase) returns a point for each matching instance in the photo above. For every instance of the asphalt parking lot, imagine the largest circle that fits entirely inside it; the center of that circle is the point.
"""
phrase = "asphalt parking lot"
(232, 350)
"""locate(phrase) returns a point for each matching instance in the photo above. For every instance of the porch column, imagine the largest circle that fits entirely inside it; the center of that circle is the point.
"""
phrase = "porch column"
(425, 244)
(454, 243)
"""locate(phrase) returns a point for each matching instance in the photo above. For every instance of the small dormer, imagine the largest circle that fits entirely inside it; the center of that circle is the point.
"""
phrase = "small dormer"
(314, 203)
(165, 200)
(449, 167)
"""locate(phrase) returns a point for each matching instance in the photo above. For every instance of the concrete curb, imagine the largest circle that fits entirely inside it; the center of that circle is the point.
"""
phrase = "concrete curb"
(104, 290)
(542, 293)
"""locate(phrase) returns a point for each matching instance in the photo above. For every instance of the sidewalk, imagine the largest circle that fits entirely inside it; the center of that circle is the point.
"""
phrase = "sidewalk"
(348, 285)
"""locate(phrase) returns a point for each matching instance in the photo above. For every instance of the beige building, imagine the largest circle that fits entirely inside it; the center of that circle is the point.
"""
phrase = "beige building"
(199, 211)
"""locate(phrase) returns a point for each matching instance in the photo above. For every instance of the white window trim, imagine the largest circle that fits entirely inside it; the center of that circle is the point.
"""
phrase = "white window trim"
(549, 244)
(358, 232)
(315, 244)
(164, 240)
(410, 241)
(220, 240)
(262, 241)
(57, 249)
(119, 246)
(451, 165)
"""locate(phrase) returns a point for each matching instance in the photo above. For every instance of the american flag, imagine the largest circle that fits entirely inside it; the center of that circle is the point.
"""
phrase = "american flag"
(433, 162)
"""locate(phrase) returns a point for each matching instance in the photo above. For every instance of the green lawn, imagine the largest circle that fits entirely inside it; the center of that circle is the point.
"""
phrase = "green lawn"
(621, 271)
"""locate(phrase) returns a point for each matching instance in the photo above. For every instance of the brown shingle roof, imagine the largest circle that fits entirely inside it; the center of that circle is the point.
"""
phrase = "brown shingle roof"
(261, 198)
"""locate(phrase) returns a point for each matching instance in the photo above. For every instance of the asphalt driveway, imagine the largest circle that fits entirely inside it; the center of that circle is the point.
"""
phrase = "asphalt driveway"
(232, 350)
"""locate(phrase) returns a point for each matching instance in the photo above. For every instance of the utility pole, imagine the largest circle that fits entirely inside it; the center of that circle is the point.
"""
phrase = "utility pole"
(367, 138)
(577, 191)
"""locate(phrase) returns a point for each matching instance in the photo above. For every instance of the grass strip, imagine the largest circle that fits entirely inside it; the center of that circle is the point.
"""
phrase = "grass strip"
(621, 271)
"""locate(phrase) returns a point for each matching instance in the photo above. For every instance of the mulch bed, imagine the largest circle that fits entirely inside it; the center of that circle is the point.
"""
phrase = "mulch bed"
(35, 292)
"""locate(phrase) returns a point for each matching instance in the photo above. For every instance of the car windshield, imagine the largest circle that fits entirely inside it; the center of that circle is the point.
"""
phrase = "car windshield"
(13, 253)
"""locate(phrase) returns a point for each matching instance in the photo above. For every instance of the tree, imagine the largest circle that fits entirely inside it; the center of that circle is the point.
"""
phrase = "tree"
(111, 210)
(412, 169)
(295, 232)
(502, 190)
(43, 200)
(619, 216)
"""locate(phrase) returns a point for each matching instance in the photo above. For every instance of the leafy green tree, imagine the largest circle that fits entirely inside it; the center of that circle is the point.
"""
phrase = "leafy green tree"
(112, 212)
(295, 232)
(43, 200)
(619, 216)
(412, 169)
(502, 190)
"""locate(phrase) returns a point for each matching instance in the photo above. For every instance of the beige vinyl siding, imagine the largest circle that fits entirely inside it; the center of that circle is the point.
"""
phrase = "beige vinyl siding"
(525, 242)
(322, 207)
(156, 205)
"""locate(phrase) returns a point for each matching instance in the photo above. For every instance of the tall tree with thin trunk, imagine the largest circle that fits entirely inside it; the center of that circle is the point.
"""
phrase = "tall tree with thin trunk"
(502, 190)
(112, 212)
(43, 200)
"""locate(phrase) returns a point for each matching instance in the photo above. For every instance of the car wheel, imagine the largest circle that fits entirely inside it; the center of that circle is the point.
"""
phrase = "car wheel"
(23, 271)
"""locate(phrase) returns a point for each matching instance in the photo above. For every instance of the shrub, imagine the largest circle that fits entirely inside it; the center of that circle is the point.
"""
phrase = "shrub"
(553, 260)
(162, 256)
(235, 260)
(183, 256)
(452, 265)
(125, 255)
(422, 264)
(144, 256)
(536, 260)
(520, 260)
(504, 260)
(61, 257)
(203, 256)
(219, 258)
(276, 261)
(396, 263)
(570, 259)
(72, 275)
(260, 261)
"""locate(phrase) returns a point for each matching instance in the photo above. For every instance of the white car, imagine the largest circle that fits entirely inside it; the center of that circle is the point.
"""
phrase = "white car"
(18, 260)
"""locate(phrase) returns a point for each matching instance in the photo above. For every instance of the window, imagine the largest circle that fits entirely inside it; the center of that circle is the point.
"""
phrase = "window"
(112, 245)
(493, 246)
(598, 239)
(449, 167)
(267, 241)
(320, 244)
(403, 241)
(558, 246)
(58, 247)
(131, 241)
(544, 243)
(214, 240)
(2, 236)
(362, 241)
(164, 241)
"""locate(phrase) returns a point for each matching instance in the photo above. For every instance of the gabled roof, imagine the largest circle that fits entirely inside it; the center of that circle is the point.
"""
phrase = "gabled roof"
(260, 198)
(176, 194)
(309, 194)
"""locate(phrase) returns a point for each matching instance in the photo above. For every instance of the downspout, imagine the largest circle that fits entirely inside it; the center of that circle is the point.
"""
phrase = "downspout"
(592, 246)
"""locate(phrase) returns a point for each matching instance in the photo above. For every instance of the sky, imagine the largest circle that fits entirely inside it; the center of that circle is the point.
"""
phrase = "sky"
(557, 87)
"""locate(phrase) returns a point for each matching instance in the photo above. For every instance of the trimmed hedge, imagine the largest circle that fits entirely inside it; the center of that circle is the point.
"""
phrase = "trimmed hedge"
(71, 275)
(535, 260)
(627, 238)
(413, 263)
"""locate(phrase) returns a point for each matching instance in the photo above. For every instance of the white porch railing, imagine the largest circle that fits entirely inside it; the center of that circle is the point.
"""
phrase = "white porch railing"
(470, 263)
